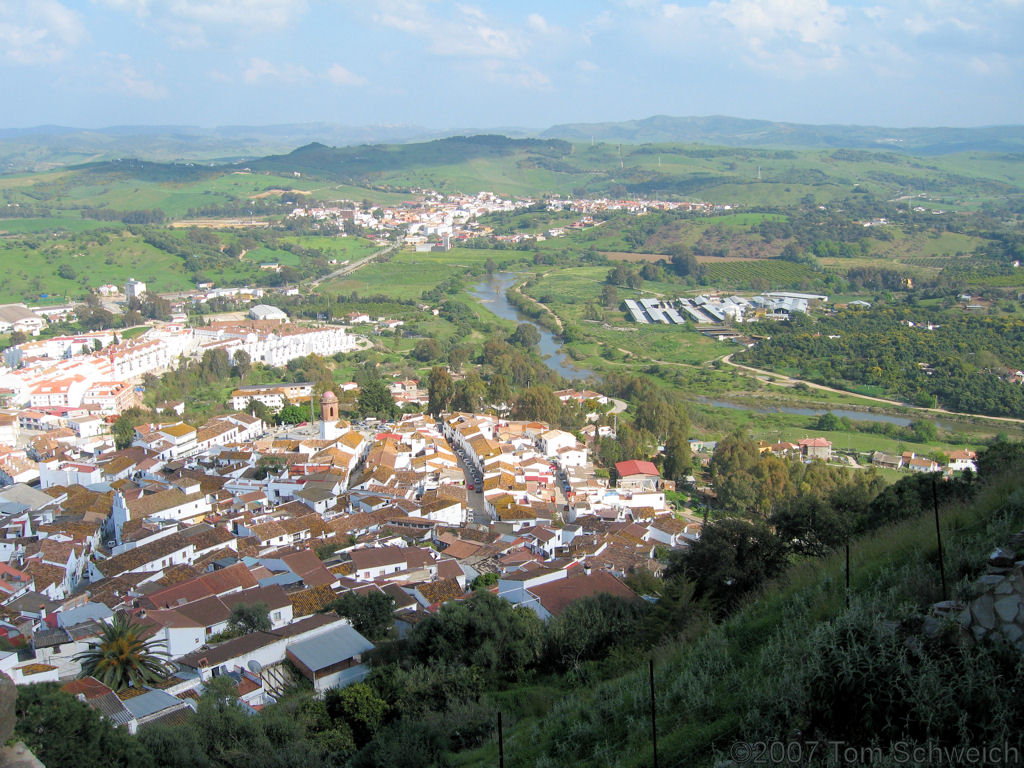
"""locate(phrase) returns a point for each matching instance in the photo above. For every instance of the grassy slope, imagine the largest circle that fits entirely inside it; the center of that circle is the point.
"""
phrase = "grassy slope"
(713, 687)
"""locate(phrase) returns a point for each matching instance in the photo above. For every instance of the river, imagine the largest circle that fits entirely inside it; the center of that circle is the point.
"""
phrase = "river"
(491, 293)
(899, 421)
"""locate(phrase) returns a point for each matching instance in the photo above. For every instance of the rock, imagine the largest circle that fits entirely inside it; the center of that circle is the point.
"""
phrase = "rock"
(8, 696)
(964, 617)
(1017, 579)
(946, 608)
(1012, 632)
(18, 756)
(931, 627)
(1002, 558)
(991, 579)
(979, 631)
(1004, 588)
(983, 610)
(1007, 607)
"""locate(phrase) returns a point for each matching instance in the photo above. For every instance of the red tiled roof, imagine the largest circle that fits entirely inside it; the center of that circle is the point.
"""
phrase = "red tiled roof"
(635, 467)
(556, 596)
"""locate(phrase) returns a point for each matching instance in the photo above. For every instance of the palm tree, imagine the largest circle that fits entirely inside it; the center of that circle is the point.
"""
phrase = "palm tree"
(123, 658)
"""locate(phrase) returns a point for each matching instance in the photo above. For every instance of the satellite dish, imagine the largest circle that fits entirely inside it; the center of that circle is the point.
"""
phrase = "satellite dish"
(255, 667)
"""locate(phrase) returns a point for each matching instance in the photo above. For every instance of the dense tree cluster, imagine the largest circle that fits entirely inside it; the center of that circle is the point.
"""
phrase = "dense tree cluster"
(914, 355)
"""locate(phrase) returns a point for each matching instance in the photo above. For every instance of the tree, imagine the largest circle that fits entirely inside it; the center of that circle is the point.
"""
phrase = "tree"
(484, 631)
(359, 707)
(122, 658)
(241, 364)
(369, 613)
(683, 262)
(440, 390)
(731, 558)
(67, 272)
(260, 411)
(124, 427)
(810, 525)
(376, 400)
(732, 466)
(537, 403)
(610, 296)
(498, 390)
(525, 335)
(215, 365)
(458, 356)
(17, 337)
(678, 459)
(249, 617)
(426, 350)
(61, 730)
(469, 393)
(589, 628)
(292, 414)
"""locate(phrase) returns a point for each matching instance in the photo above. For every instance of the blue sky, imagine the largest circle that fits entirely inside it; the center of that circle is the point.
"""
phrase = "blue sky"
(446, 65)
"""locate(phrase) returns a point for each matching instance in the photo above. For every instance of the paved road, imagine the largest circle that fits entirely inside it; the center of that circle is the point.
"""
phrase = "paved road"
(350, 268)
(476, 509)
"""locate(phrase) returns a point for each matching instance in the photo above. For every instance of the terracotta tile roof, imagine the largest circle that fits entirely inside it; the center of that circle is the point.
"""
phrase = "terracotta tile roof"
(556, 596)
(311, 600)
(461, 549)
(44, 574)
(441, 591)
(213, 583)
(154, 503)
(177, 574)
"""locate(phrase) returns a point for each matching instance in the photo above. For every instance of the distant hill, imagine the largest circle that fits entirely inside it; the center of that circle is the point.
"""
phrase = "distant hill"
(47, 147)
(738, 132)
(365, 163)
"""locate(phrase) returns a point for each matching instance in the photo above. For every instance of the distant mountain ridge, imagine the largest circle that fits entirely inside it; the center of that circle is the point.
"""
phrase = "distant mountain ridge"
(52, 146)
(741, 132)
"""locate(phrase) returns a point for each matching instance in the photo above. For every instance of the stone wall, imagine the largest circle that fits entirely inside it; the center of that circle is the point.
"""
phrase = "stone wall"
(998, 608)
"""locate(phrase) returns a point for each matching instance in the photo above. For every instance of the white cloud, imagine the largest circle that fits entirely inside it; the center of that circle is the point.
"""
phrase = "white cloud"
(247, 13)
(262, 71)
(185, 23)
(993, 64)
(138, 7)
(339, 75)
(38, 31)
(585, 65)
(518, 76)
(538, 24)
(124, 77)
(466, 33)
(791, 35)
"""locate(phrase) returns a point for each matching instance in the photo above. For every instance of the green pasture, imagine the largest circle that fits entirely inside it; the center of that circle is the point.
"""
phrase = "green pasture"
(404, 277)
(54, 224)
(341, 248)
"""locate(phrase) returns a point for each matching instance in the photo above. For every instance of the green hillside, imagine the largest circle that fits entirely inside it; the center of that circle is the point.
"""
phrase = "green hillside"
(799, 666)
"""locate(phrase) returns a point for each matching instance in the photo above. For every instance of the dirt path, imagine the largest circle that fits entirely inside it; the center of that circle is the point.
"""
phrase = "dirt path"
(788, 381)
(518, 288)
